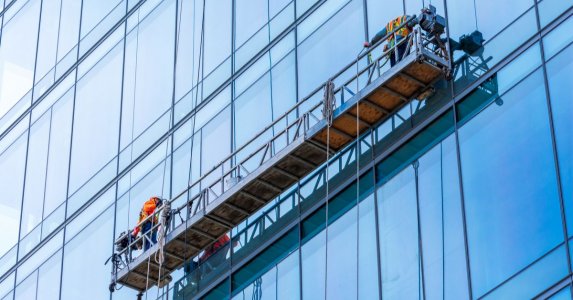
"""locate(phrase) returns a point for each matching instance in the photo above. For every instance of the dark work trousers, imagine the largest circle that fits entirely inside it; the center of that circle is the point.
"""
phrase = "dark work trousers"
(145, 228)
(401, 50)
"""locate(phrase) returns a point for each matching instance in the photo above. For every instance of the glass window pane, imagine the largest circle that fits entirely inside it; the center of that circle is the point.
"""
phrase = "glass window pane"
(216, 141)
(508, 167)
(253, 111)
(35, 174)
(11, 184)
(27, 288)
(551, 9)
(69, 28)
(492, 15)
(559, 72)
(441, 223)
(6, 286)
(189, 39)
(49, 278)
(48, 40)
(330, 48)
(82, 276)
(59, 153)
(558, 38)
(94, 137)
(535, 279)
(283, 85)
(368, 284)
(217, 45)
(380, 13)
(341, 278)
(250, 16)
(18, 54)
(399, 254)
(564, 294)
(149, 71)
(314, 267)
(288, 283)
(93, 11)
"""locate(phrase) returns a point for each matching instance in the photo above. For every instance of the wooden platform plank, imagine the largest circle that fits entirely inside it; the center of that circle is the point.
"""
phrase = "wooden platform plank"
(250, 196)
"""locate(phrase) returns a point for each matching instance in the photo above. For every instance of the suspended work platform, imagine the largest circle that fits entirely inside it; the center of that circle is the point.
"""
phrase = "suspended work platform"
(366, 92)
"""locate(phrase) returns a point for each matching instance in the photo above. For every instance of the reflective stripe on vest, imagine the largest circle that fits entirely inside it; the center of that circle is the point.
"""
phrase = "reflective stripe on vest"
(403, 32)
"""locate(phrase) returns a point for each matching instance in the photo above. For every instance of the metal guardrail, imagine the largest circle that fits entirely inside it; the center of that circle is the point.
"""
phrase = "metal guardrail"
(299, 120)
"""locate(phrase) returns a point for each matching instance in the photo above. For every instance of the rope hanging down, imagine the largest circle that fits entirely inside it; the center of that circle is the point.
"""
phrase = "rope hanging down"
(328, 102)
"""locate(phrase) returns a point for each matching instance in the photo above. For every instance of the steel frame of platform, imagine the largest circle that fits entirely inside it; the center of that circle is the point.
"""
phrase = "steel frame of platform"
(226, 200)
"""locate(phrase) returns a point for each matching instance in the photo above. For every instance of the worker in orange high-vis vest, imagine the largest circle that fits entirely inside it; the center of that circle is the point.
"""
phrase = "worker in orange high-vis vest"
(144, 225)
(401, 33)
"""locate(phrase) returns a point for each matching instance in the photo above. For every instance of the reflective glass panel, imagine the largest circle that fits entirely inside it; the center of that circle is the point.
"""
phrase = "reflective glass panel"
(510, 188)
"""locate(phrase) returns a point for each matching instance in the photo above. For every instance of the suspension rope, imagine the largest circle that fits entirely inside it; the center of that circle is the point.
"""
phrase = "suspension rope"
(357, 183)
(163, 225)
(475, 15)
(327, 112)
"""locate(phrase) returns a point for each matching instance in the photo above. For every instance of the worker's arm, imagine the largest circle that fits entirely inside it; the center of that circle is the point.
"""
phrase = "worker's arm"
(136, 230)
(412, 21)
(381, 34)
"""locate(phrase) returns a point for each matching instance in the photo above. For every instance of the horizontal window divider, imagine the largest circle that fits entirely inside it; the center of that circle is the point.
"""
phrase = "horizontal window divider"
(378, 157)
(72, 68)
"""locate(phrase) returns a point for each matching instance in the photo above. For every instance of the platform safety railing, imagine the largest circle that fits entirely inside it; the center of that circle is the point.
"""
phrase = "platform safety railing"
(297, 122)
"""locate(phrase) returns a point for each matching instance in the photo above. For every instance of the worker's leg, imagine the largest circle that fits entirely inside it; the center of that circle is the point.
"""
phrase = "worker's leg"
(145, 228)
(392, 57)
(402, 50)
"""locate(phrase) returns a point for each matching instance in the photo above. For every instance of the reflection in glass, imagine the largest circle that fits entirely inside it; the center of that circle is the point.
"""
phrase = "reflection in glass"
(398, 230)
(512, 208)
(559, 72)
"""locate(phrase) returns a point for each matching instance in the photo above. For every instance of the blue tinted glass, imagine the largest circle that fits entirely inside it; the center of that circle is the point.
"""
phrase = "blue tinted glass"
(559, 72)
(494, 50)
(48, 40)
(11, 184)
(82, 276)
(314, 267)
(6, 286)
(283, 85)
(95, 140)
(535, 279)
(368, 284)
(558, 38)
(441, 223)
(216, 141)
(303, 5)
(36, 174)
(253, 110)
(564, 294)
(507, 165)
(189, 39)
(27, 288)
(149, 73)
(492, 16)
(93, 11)
(69, 28)
(59, 153)
(288, 280)
(341, 278)
(398, 230)
(380, 13)
(330, 48)
(250, 16)
(217, 33)
(550, 9)
(17, 55)
(49, 278)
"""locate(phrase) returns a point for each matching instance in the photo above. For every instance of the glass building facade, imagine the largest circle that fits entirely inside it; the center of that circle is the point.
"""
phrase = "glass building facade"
(465, 195)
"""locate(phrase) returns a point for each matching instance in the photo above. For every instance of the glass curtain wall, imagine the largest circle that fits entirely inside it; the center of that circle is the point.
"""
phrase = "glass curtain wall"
(105, 104)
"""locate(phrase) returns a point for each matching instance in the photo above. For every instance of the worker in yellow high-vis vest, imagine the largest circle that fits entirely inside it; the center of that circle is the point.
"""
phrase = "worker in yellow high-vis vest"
(403, 32)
